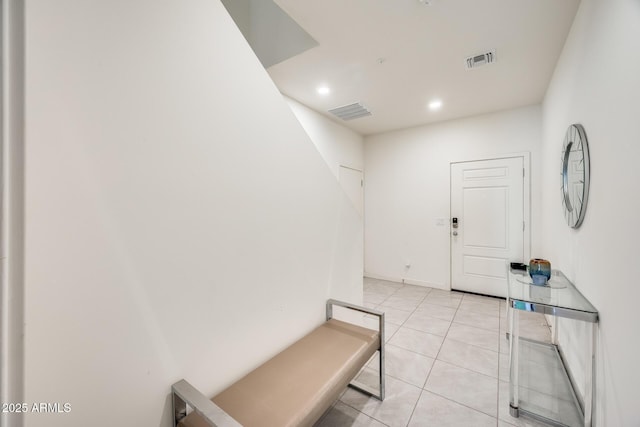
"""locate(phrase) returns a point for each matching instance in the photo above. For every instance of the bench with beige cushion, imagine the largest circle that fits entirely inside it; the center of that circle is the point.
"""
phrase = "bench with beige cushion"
(295, 387)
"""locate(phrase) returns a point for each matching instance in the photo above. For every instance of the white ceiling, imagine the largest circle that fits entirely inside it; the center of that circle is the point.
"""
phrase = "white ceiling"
(423, 50)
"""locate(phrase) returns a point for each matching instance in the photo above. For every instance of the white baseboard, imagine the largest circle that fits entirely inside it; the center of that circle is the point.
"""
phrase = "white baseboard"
(441, 286)
(380, 277)
(407, 281)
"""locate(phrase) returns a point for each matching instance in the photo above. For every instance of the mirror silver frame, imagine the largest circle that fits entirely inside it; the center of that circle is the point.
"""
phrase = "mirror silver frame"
(575, 141)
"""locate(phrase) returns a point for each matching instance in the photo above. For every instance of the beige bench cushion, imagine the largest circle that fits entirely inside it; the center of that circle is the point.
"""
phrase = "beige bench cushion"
(299, 384)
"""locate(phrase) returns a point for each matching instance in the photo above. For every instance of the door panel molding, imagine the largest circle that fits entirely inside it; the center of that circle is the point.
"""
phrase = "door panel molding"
(484, 173)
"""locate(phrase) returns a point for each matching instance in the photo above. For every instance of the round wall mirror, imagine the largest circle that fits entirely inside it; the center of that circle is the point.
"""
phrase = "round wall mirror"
(575, 175)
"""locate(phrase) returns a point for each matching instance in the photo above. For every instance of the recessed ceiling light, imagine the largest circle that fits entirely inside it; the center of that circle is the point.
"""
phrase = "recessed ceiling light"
(436, 104)
(324, 90)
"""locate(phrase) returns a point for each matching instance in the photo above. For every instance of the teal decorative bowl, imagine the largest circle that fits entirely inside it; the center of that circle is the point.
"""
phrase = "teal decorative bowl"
(540, 271)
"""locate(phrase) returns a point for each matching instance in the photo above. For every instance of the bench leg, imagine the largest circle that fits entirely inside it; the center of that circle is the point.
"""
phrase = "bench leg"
(381, 373)
(382, 357)
(184, 394)
(380, 315)
(179, 409)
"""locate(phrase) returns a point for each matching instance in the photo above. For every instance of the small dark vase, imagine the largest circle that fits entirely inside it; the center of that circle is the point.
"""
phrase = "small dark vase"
(540, 271)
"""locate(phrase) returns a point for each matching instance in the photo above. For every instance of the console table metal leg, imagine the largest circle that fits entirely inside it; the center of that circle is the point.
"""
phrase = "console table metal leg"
(590, 375)
(514, 347)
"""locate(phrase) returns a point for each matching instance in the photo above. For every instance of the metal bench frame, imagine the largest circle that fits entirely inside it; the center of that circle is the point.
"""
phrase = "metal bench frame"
(184, 394)
(380, 315)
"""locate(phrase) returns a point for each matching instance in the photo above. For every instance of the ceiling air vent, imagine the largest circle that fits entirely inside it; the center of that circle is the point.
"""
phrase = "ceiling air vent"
(351, 111)
(476, 61)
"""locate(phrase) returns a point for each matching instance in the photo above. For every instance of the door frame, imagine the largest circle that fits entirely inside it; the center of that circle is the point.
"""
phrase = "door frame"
(526, 200)
(340, 165)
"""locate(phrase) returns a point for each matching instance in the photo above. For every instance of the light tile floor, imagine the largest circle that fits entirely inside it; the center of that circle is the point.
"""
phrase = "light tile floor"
(446, 361)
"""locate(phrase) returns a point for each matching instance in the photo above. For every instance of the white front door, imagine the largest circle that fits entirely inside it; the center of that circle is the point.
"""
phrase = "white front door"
(487, 198)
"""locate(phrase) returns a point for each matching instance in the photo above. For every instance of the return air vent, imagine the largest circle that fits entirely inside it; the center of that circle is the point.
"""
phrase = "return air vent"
(351, 111)
(481, 59)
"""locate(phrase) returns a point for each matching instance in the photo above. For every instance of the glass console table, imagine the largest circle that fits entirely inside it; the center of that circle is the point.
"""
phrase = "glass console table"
(539, 383)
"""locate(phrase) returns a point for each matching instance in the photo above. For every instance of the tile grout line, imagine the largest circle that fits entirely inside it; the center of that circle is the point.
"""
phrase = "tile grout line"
(446, 335)
(413, 411)
(476, 346)
(388, 339)
(440, 349)
(459, 403)
(423, 389)
(366, 415)
(462, 367)
(409, 350)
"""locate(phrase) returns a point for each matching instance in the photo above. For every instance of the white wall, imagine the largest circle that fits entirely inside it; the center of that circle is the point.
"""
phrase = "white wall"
(407, 189)
(337, 144)
(596, 84)
(179, 221)
(12, 209)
